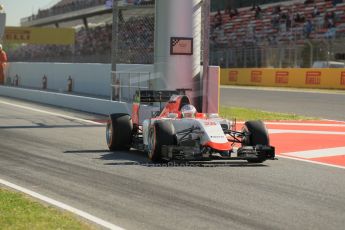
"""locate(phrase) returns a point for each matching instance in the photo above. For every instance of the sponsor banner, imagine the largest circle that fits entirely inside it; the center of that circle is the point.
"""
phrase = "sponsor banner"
(318, 78)
(256, 76)
(313, 78)
(233, 75)
(282, 77)
(40, 36)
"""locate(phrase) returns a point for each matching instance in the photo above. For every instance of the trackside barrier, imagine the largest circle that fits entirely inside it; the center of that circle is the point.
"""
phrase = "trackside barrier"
(299, 78)
(88, 78)
(86, 104)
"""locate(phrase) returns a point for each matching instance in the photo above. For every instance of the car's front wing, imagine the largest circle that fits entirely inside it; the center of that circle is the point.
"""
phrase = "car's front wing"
(190, 153)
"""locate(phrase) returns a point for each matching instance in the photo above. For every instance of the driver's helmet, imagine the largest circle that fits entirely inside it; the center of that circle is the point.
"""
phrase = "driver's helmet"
(188, 111)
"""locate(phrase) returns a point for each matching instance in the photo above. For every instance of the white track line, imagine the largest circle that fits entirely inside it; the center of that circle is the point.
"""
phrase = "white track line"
(47, 199)
(63, 206)
(311, 161)
(50, 113)
(309, 154)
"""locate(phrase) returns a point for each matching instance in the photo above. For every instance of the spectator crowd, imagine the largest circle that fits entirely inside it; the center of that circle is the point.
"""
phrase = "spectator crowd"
(277, 23)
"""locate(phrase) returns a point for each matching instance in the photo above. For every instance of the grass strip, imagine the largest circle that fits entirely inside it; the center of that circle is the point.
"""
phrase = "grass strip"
(17, 212)
(244, 114)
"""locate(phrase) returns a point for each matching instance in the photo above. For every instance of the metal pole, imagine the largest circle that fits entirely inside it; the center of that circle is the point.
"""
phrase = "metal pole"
(114, 48)
(206, 56)
(311, 52)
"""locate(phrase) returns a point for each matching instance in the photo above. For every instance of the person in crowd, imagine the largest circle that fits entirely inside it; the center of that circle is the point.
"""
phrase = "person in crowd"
(277, 10)
(255, 3)
(329, 20)
(316, 12)
(308, 28)
(218, 19)
(258, 12)
(299, 18)
(3, 60)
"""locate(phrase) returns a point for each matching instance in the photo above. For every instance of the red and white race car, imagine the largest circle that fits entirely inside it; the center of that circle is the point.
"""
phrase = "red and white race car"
(179, 132)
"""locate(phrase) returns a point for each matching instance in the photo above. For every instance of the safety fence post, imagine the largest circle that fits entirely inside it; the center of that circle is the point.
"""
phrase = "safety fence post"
(69, 84)
(44, 82)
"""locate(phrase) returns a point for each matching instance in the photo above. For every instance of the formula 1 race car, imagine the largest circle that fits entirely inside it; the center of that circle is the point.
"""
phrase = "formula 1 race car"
(177, 132)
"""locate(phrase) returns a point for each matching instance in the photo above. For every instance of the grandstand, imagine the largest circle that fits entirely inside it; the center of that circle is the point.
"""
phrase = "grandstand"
(282, 26)
(275, 34)
(274, 31)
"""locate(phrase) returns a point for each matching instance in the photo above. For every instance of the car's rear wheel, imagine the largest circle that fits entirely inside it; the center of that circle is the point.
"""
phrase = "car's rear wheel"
(161, 133)
(255, 134)
(119, 132)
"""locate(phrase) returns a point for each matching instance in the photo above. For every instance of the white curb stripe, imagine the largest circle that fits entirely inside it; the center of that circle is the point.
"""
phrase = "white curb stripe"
(50, 113)
(318, 153)
(334, 120)
(61, 205)
(311, 161)
(304, 124)
(300, 124)
(278, 131)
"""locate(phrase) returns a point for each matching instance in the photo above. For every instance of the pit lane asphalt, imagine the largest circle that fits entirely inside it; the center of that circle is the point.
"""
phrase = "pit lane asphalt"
(314, 103)
(68, 160)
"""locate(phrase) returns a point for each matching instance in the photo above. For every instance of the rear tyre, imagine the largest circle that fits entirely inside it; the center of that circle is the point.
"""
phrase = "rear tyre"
(161, 133)
(119, 132)
(256, 134)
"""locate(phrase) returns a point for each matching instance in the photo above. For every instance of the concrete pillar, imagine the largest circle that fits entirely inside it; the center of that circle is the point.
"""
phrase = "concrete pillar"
(2, 24)
(177, 18)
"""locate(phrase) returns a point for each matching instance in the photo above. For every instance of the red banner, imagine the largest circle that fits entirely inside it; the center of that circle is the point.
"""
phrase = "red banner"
(233, 75)
(313, 78)
(256, 76)
(282, 77)
(342, 78)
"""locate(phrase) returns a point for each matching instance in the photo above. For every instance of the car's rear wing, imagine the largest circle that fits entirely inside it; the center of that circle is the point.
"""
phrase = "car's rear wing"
(152, 96)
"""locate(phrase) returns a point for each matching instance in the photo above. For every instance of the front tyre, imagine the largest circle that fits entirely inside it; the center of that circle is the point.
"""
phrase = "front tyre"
(119, 132)
(161, 133)
(255, 134)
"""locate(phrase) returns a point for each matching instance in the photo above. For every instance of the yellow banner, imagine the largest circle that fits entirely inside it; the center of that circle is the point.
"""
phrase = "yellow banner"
(299, 78)
(40, 36)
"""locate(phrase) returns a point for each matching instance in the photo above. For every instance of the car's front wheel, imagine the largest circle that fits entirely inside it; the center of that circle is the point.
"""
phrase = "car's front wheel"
(255, 134)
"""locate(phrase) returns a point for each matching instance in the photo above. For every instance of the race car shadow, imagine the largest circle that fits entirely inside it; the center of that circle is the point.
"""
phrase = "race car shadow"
(138, 158)
(87, 151)
(131, 157)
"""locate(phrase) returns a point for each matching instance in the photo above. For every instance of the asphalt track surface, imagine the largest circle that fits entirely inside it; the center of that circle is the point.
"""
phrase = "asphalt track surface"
(322, 104)
(67, 159)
